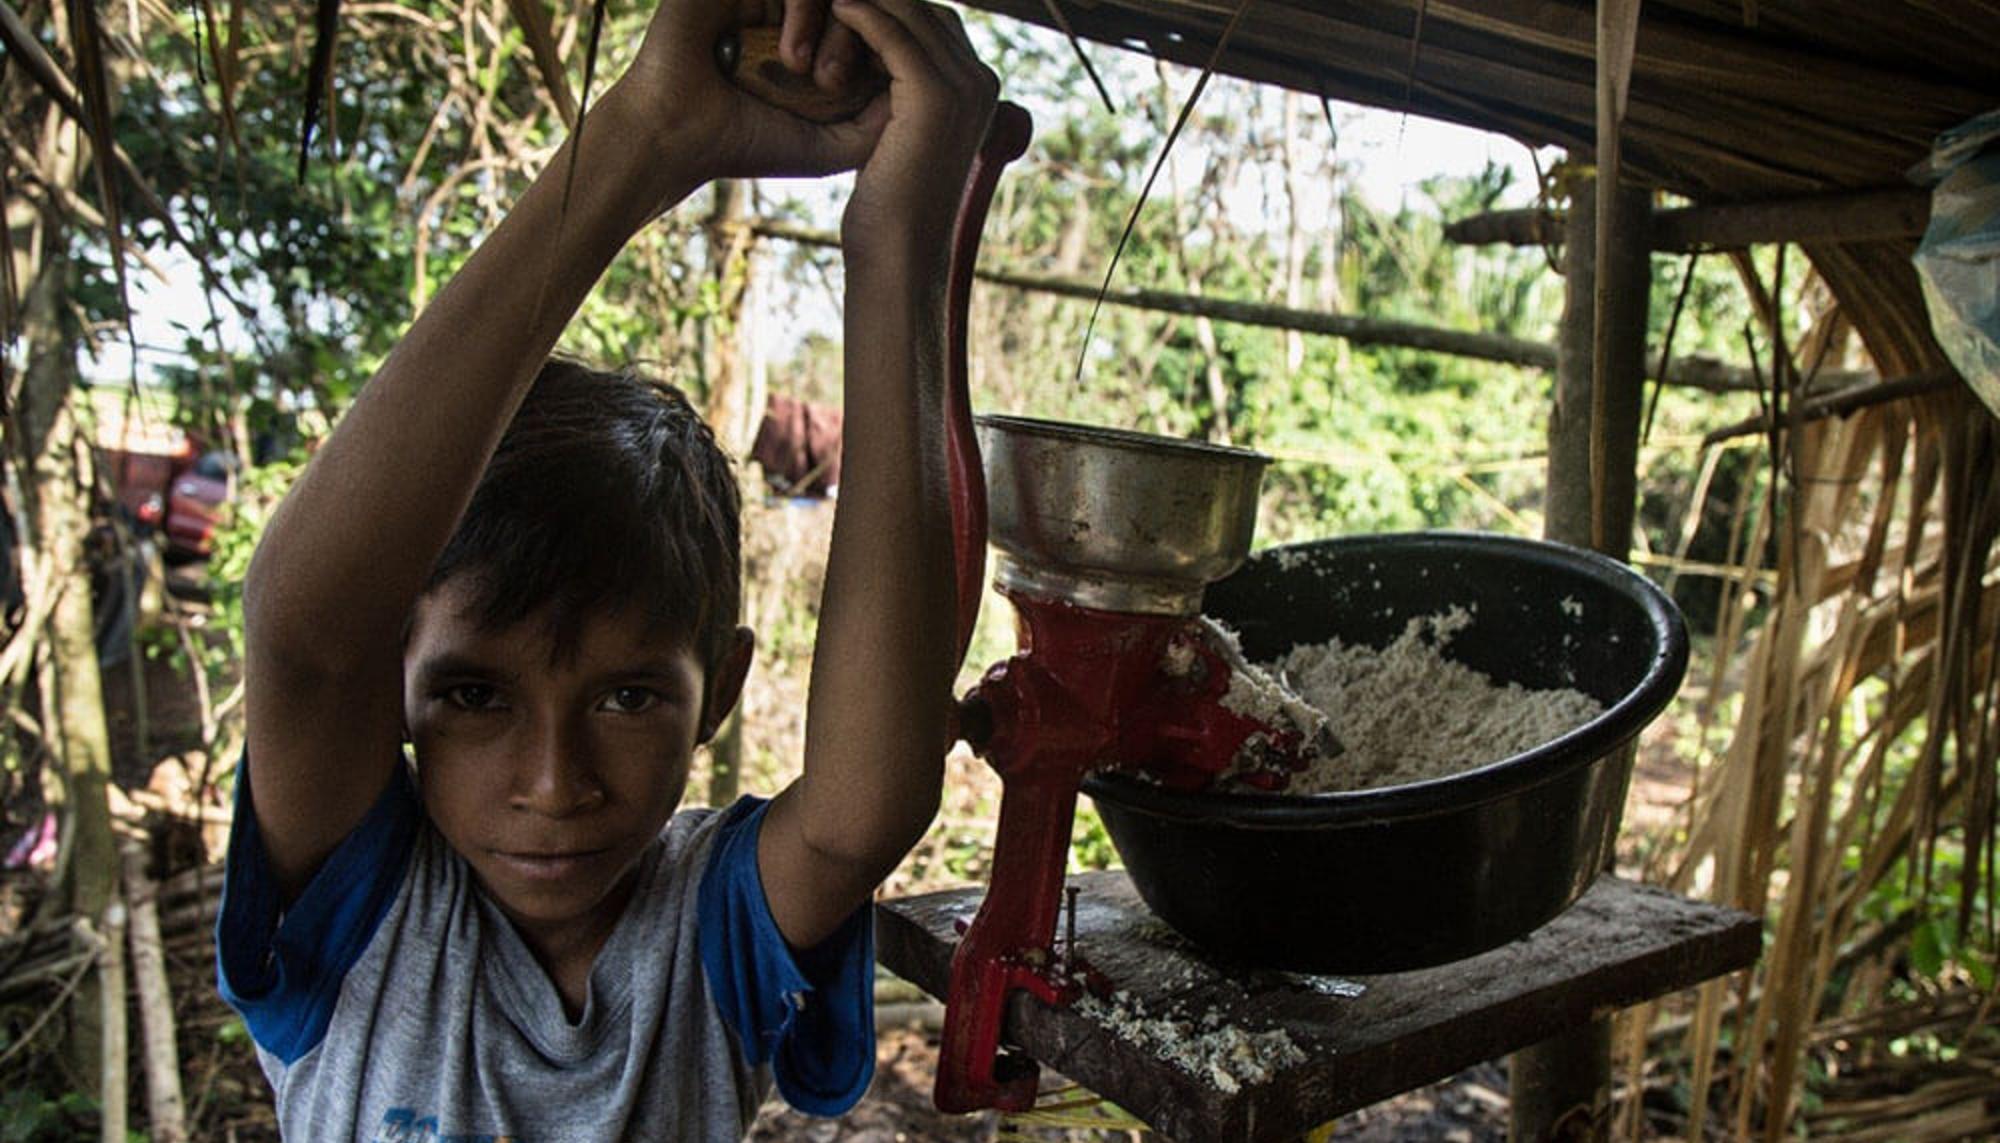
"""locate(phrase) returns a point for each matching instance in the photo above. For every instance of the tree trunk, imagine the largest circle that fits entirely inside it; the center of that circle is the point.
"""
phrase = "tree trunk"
(729, 414)
(729, 242)
(1627, 284)
(49, 455)
(1295, 231)
(725, 761)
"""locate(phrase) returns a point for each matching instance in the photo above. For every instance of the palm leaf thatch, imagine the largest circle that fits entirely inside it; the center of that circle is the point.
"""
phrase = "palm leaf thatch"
(1866, 731)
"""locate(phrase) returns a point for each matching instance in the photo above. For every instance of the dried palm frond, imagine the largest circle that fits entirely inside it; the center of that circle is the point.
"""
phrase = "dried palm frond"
(319, 76)
(535, 27)
(224, 56)
(1866, 729)
(1076, 45)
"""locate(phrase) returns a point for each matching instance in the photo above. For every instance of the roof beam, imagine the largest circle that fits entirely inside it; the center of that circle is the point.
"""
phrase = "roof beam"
(1866, 216)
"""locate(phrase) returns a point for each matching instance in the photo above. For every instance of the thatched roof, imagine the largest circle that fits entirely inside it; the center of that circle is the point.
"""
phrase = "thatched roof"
(1731, 100)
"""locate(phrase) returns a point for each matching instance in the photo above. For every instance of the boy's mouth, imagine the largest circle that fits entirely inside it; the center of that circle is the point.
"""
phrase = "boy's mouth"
(549, 865)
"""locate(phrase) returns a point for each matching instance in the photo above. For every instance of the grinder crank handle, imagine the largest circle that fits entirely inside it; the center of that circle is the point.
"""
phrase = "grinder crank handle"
(1006, 140)
(749, 57)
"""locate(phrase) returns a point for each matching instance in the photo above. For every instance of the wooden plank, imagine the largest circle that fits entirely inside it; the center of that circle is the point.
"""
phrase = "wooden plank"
(1622, 943)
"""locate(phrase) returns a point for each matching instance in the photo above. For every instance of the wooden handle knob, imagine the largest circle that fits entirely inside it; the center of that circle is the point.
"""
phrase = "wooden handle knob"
(749, 57)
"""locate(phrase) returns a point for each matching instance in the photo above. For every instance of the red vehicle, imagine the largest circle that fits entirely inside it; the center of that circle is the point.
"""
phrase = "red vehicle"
(194, 504)
(177, 493)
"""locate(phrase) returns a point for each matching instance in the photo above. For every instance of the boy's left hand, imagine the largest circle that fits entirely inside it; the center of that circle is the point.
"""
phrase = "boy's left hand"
(930, 123)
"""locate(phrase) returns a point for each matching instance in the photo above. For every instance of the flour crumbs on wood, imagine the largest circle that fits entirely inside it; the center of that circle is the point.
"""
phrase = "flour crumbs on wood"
(1405, 713)
(1222, 1055)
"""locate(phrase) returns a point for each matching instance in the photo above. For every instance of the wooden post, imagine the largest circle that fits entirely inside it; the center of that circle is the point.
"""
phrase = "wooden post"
(1626, 283)
(1560, 1087)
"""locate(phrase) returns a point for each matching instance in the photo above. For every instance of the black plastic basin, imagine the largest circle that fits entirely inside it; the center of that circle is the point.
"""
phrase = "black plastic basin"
(1421, 874)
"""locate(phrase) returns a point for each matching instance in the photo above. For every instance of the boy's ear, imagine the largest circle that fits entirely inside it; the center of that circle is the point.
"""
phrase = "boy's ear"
(725, 685)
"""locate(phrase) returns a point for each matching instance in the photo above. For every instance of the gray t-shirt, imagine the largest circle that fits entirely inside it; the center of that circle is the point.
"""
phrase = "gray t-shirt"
(436, 1023)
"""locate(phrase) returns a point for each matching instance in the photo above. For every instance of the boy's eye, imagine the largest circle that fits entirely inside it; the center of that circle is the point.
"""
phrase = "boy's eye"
(472, 696)
(631, 700)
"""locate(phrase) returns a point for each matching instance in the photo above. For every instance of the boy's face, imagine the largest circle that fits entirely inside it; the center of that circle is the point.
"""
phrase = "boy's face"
(550, 775)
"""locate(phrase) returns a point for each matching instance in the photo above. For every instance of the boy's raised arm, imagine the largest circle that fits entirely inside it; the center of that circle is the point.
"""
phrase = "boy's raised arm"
(347, 554)
(882, 664)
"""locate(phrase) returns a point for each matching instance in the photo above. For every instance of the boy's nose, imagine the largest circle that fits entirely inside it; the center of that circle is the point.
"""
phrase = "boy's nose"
(557, 777)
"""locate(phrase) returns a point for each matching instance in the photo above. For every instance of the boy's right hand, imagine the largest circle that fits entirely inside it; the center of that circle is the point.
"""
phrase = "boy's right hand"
(699, 126)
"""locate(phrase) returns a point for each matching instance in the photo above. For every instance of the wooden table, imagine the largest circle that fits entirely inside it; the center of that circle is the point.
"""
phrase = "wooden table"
(1363, 1038)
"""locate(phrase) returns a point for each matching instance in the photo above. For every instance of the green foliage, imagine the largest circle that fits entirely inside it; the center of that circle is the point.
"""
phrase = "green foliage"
(27, 1115)
(1090, 843)
(235, 541)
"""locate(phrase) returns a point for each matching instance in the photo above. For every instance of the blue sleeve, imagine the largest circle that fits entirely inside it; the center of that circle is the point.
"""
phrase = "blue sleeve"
(810, 1014)
(282, 968)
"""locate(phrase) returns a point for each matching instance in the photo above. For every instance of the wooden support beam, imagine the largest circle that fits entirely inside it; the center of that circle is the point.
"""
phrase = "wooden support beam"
(1866, 216)
(1591, 499)
(1687, 372)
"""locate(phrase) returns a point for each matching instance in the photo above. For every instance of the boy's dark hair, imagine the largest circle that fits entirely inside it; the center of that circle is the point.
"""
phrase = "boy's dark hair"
(607, 491)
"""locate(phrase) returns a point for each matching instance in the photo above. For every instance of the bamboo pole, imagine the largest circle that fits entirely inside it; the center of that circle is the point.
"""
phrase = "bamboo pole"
(1701, 373)
(166, 1116)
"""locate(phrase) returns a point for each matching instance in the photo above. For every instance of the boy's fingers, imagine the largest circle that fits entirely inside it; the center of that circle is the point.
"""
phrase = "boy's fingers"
(839, 55)
(942, 37)
(928, 42)
(902, 54)
(920, 20)
(804, 22)
(954, 25)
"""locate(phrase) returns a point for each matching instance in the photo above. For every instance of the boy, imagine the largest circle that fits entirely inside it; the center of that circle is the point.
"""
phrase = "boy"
(498, 940)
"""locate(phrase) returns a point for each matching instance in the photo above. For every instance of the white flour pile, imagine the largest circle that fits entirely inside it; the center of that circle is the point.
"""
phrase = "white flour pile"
(1405, 713)
(1256, 688)
(1222, 1055)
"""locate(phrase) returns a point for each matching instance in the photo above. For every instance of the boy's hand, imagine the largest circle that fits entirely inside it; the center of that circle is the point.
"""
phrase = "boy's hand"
(701, 126)
(930, 124)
